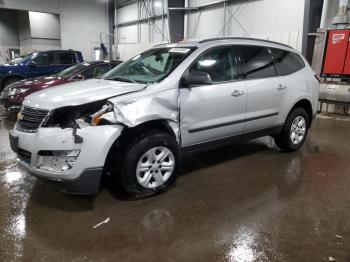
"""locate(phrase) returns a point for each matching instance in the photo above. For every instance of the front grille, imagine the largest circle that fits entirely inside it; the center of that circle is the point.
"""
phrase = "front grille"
(24, 155)
(31, 118)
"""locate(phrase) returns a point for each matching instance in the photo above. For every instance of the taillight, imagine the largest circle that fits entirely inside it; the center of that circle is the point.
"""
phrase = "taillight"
(318, 78)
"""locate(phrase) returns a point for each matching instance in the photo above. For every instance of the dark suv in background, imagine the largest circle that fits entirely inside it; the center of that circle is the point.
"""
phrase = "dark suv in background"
(13, 95)
(38, 64)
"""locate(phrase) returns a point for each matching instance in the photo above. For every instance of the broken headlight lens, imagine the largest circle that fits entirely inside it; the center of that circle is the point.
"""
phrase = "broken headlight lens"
(89, 114)
(97, 118)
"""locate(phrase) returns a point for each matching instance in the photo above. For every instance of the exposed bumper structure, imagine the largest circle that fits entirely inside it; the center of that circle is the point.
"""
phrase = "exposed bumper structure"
(51, 154)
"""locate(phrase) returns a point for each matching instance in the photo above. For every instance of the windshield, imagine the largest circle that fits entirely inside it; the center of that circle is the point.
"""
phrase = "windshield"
(70, 71)
(21, 60)
(151, 66)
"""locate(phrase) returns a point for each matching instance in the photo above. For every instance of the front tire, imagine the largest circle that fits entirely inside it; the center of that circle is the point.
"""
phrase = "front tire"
(150, 164)
(294, 131)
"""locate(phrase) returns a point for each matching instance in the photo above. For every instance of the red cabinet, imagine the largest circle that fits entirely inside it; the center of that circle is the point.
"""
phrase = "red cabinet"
(337, 57)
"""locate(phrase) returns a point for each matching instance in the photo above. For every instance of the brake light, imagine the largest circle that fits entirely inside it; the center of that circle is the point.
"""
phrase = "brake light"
(318, 78)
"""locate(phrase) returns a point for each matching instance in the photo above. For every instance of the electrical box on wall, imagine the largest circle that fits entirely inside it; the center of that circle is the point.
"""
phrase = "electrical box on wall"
(336, 61)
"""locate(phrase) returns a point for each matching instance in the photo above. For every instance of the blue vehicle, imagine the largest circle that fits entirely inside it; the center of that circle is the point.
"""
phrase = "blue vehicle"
(38, 64)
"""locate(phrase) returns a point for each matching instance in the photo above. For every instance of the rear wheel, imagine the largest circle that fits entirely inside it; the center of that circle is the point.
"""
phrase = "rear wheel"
(150, 164)
(294, 131)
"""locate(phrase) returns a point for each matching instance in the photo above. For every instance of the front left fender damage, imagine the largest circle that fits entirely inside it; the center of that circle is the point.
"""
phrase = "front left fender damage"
(135, 111)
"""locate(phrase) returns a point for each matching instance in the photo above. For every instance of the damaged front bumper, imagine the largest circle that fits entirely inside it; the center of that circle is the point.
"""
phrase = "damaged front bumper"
(51, 154)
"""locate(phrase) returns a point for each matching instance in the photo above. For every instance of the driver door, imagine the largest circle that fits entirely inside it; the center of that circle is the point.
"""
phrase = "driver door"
(41, 65)
(210, 112)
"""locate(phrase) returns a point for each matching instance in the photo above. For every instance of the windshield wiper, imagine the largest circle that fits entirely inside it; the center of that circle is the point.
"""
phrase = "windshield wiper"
(118, 78)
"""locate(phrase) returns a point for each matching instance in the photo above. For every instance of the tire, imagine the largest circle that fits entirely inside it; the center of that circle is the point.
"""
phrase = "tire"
(294, 131)
(139, 166)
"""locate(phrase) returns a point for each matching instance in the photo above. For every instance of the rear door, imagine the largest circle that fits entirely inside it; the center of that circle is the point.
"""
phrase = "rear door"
(210, 112)
(264, 91)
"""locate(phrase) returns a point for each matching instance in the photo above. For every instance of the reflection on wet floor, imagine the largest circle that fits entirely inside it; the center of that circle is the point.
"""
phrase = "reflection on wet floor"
(247, 202)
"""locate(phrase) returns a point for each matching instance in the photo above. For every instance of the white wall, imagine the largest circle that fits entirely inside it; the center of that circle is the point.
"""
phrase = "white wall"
(135, 38)
(8, 28)
(8, 34)
(23, 25)
(38, 31)
(43, 25)
(278, 20)
(127, 13)
(47, 6)
(81, 22)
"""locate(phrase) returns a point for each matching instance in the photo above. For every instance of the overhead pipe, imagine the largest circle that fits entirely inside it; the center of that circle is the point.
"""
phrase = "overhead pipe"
(342, 18)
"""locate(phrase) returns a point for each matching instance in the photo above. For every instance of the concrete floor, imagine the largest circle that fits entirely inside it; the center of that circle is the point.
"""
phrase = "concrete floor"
(248, 202)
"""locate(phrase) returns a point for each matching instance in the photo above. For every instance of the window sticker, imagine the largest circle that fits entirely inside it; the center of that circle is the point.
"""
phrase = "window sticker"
(179, 50)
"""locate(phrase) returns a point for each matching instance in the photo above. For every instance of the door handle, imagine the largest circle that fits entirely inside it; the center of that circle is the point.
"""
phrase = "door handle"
(281, 87)
(237, 93)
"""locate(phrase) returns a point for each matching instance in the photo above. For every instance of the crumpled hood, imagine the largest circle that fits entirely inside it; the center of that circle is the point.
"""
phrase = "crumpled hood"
(79, 93)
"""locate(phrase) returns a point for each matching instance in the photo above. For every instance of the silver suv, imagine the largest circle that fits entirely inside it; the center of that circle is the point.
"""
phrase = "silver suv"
(136, 122)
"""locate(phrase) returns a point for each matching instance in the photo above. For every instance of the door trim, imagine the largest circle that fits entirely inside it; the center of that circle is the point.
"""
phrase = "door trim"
(204, 128)
(213, 144)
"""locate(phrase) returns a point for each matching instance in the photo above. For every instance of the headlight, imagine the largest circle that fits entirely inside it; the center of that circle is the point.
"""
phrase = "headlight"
(15, 91)
(97, 117)
(85, 115)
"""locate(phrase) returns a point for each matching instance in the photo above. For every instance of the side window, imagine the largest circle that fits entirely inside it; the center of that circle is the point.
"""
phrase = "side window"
(44, 59)
(257, 62)
(100, 70)
(88, 73)
(218, 63)
(96, 71)
(287, 62)
(67, 58)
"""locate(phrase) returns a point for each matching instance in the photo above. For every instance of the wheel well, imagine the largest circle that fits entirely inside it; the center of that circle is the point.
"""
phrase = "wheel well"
(305, 104)
(129, 133)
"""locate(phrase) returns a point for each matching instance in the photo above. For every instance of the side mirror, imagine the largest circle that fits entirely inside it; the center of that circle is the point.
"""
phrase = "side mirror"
(196, 78)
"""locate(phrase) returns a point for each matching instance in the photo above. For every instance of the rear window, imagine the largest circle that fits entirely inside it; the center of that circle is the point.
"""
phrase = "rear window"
(258, 62)
(287, 62)
(43, 59)
(67, 58)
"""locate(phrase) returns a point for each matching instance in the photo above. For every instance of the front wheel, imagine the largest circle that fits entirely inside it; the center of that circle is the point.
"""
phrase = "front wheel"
(294, 131)
(150, 164)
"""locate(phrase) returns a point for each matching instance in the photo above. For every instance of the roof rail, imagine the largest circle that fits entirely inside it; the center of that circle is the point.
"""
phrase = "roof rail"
(242, 38)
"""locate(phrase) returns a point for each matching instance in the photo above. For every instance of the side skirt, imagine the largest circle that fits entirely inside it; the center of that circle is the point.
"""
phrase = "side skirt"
(210, 145)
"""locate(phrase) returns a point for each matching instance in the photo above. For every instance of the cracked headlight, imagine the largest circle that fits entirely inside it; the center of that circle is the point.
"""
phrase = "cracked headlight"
(82, 115)
(16, 91)
(97, 118)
